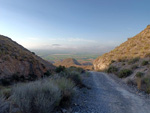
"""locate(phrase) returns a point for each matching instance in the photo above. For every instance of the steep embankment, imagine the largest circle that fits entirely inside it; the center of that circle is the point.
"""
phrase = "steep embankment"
(138, 46)
(15, 60)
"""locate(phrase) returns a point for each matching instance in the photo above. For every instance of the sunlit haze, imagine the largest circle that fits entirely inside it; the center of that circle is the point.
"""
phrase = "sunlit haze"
(82, 25)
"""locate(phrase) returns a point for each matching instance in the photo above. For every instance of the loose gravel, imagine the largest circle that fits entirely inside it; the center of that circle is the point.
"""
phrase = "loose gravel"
(107, 95)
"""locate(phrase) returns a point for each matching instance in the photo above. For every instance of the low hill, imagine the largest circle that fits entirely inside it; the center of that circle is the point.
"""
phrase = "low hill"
(15, 60)
(68, 62)
(73, 62)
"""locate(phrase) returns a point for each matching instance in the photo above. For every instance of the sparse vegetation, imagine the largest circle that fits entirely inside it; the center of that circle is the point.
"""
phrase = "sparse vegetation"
(146, 85)
(112, 69)
(60, 69)
(75, 76)
(135, 66)
(47, 73)
(134, 60)
(4, 105)
(139, 74)
(145, 63)
(66, 87)
(124, 73)
(42, 96)
(113, 61)
(37, 97)
(6, 92)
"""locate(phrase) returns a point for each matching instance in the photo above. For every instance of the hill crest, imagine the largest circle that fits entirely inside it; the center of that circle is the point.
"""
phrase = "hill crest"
(68, 62)
(137, 46)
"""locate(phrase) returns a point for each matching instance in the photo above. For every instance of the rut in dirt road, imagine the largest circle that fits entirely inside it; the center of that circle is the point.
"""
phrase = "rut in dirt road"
(108, 96)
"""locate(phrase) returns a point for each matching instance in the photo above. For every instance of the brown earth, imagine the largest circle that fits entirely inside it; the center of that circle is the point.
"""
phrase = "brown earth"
(16, 60)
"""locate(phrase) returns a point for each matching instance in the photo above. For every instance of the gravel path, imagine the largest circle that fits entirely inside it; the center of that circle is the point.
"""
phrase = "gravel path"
(107, 96)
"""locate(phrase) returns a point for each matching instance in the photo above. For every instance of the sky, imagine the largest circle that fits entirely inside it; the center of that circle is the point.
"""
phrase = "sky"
(78, 25)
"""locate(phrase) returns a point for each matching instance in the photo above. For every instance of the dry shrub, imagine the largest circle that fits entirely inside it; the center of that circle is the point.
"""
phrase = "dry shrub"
(145, 63)
(4, 105)
(66, 87)
(36, 97)
(134, 60)
(124, 73)
(112, 69)
(139, 81)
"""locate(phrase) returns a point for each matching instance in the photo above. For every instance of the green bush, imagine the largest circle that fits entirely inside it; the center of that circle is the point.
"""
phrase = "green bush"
(47, 73)
(36, 97)
(135, 66)
(60, 69)
(134, 60)
(112, 69)
(139, 74)
(124, 73)
(145, 63)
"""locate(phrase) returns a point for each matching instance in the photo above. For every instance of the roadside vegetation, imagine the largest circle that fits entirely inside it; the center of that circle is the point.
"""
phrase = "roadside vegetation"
(44, 95)
(137, 67)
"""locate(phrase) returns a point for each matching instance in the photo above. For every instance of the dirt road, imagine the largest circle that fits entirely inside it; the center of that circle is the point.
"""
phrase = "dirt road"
(108, 96)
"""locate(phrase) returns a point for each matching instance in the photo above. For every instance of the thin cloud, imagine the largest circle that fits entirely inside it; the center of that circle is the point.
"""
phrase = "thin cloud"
(81, 40)
(56, 45)
(72, 40)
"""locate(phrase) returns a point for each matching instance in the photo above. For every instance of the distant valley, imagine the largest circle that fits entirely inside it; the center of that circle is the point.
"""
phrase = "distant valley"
(85, 59)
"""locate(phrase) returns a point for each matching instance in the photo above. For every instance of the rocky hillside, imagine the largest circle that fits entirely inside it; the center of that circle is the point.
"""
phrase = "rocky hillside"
(137, 46)
(129, 61)
(15, 60)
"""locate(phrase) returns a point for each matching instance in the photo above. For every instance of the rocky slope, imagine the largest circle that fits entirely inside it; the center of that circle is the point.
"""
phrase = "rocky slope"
(15, 60)
(129, 61)
(137, 46)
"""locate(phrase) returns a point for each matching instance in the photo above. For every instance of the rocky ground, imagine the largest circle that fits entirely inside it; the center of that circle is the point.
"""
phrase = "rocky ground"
(108, 95)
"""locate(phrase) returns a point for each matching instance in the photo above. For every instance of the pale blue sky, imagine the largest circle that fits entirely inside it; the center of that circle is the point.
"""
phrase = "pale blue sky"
(74, 24)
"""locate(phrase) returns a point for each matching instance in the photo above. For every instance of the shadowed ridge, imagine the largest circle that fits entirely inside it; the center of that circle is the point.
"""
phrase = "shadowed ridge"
(17, 60)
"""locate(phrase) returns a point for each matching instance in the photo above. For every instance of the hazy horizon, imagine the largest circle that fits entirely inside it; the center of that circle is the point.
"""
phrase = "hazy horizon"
(72, 25)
